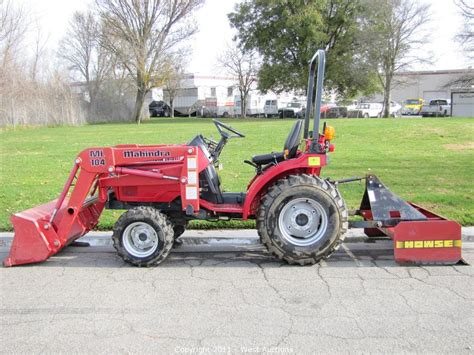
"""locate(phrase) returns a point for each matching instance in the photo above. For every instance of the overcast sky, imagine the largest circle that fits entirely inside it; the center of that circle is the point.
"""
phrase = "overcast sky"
(215, 32)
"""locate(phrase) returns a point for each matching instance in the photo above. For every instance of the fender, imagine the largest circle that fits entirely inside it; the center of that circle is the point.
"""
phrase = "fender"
(302, 164)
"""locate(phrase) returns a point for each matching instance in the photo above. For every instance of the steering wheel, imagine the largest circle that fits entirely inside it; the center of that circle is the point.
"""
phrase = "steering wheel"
(221, 126)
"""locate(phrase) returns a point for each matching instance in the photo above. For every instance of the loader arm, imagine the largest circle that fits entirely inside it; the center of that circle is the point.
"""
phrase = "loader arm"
(135, 173)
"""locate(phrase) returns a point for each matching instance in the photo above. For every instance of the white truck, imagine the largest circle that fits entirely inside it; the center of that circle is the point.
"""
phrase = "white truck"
(271, 107)
(436, 108)
(294, 109)
(366, 110)
(374, 109)
(277, 102)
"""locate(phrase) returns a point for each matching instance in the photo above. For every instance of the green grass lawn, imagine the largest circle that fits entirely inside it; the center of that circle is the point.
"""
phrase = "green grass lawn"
(427, 161)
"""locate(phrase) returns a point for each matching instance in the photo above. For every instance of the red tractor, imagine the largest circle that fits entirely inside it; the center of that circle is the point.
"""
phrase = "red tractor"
(301, 217)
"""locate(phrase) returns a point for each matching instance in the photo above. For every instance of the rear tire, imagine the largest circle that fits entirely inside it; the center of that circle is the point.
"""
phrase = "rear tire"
(313, 231)
(143, 236)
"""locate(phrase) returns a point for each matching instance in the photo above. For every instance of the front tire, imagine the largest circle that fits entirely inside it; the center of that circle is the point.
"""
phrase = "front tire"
(143, 236)
(302, 219)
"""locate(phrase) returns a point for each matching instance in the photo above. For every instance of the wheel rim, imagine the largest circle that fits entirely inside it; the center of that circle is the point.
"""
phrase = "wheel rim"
(140, 239)
(303, 221)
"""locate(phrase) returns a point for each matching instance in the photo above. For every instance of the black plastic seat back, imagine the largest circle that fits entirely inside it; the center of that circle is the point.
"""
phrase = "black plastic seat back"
(291, 144)
(293, 140)
(208, 178)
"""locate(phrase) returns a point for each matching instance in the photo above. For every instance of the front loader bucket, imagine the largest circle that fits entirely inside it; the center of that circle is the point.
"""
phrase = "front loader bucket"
(36, 238)
(419, 236)
(44, 230)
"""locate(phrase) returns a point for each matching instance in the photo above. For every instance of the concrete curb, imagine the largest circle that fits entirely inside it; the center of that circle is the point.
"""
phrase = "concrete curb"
(227, 238)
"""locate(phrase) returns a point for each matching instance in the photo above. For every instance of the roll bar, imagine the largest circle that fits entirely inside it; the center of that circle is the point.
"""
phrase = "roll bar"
(319, 58)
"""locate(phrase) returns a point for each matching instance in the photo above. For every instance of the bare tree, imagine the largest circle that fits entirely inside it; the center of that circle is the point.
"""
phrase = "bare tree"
(14, 23)
(39, 50)
(141, 33)
(24, 99)
(466, 35)
(466, 80)
(82, 50)
(242, 65)
(394, 37)
(173, 81)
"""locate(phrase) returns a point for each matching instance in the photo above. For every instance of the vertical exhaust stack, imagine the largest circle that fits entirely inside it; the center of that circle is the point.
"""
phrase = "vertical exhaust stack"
(317, 62)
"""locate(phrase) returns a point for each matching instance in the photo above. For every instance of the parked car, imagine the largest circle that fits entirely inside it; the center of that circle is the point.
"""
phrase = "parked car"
(335, 112)
(366, 110)
(292, 110)
(325, 107)
(159, 109)
(412, 106)
(272, 107)
(438, 107)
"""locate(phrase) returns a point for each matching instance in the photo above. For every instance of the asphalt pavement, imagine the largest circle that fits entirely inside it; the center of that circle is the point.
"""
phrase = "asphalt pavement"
(220, 292)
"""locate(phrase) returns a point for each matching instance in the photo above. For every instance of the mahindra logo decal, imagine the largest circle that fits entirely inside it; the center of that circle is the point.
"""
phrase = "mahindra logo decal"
(145, 154)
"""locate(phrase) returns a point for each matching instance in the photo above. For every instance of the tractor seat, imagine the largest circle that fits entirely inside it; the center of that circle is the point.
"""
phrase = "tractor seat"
(289, 150)
(263, 159)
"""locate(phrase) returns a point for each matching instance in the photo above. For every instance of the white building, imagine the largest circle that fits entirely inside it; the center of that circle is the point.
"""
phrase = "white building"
(462, 102)
(213, 95)
(427, 85)
(202, 95)
(208, 95)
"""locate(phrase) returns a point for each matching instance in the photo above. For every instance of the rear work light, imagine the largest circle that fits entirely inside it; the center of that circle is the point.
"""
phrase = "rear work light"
(329, 133)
